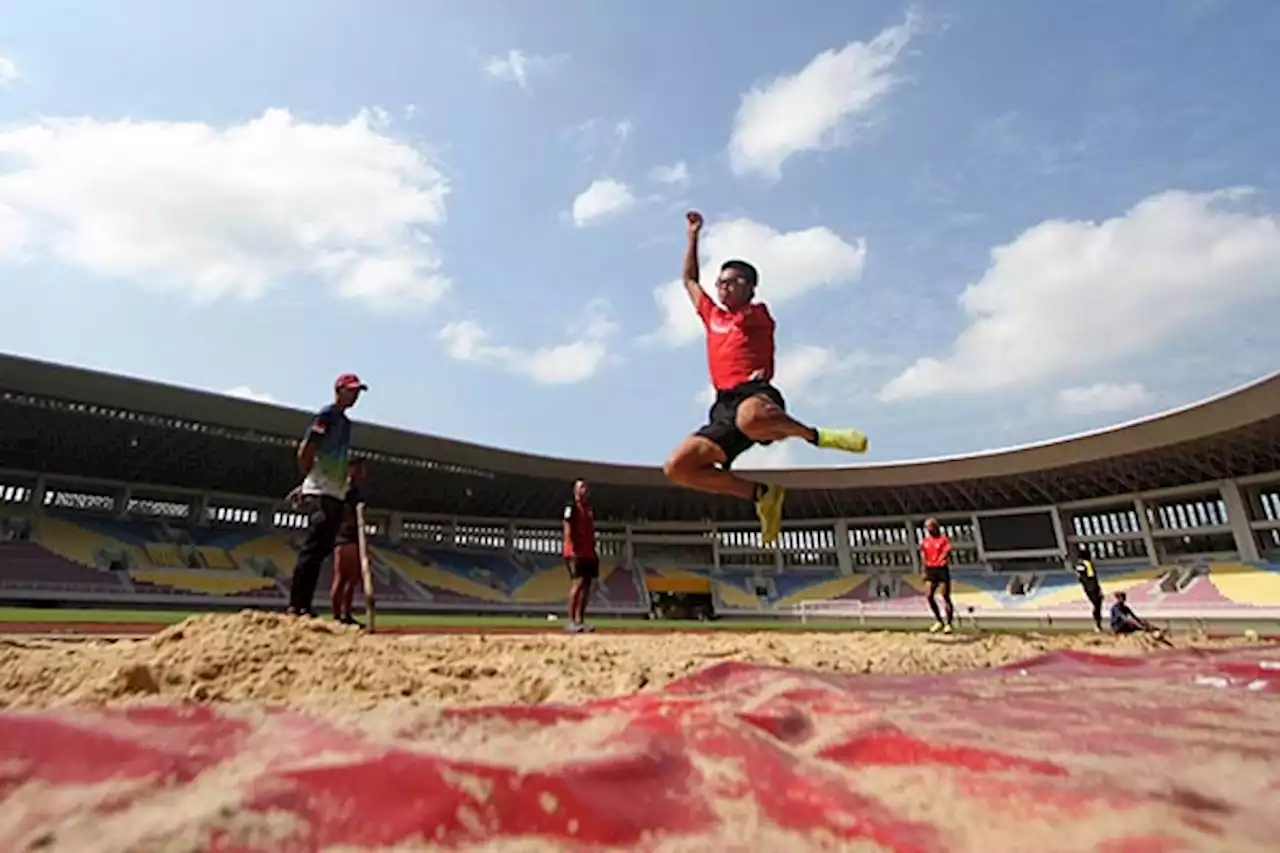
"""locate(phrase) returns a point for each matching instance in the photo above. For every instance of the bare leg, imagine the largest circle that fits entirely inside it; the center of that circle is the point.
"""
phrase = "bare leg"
(583, 598)
(932, 590)
(946, 600)
(694, 465)
(760, 419)
(349, 597)
(575, 601)
(335, 587)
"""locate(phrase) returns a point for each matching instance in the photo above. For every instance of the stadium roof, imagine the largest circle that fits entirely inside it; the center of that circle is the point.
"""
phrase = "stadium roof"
(69, 421)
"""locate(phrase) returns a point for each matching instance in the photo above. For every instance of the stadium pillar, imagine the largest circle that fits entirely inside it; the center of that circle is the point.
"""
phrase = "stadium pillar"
(977, 543)
(1056, 515)
(199, 509)
(1238, 518)
(1144, 525)
(395, 527)
(37, 494)
(843, 558)
(715, 548)
(123, 497)
(913, 541)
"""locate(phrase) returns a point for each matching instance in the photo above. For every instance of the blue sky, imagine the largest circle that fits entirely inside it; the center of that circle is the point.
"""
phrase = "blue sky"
(978, 224)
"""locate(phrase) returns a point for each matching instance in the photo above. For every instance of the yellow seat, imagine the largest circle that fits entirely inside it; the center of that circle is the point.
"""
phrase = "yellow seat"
(202, 581)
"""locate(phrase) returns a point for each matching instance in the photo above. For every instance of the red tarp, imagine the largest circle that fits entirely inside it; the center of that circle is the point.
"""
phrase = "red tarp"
(1179, 751)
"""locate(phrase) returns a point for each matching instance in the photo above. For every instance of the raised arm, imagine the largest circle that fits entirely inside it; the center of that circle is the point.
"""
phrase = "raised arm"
(691, 285)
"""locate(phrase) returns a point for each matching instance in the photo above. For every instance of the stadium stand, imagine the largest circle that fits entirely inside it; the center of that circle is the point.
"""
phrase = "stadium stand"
(1181, 510)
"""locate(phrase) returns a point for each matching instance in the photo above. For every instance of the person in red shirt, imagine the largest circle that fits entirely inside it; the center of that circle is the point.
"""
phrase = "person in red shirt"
(747, 410)
(580, 556)
(935, 553)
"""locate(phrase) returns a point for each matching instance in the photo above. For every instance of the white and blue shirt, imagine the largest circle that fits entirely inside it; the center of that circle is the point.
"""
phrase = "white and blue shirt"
(330, 433)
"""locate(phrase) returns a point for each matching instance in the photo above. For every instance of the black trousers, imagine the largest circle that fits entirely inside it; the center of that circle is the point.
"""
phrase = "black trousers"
(325, 515)
(1094, 594)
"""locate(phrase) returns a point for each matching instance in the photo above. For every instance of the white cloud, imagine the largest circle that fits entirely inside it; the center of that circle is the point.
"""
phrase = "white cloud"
(600, 140)
(1103, 398)
(605, 197)
(8, 71)
(780, 454)
(13, 231)
(230, 212)
(1071, 295)
(812, 109)
(674, 175)
(790, 265)
(247, 393)
(517, 66)
(801, 372)
(565, 363)
(798, 371)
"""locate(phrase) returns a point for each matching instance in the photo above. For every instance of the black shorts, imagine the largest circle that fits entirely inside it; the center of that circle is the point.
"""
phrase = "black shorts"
(722, 420)
(583, 568)
(937, 574)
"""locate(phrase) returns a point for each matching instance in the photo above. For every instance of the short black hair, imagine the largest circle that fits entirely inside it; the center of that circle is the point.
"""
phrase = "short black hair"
(748, 272)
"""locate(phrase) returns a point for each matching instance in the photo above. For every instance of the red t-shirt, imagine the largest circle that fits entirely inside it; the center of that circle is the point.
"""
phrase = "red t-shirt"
(739, 343)
(580, 539)
(936, 551)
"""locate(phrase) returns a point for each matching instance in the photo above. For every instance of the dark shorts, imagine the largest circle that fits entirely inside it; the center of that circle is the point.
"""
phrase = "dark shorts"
(937, 574)
(722, 420)
(347, 535)
(583, 568)
(1124, 628)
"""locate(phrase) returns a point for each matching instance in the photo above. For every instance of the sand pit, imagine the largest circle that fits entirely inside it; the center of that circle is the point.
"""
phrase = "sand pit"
(262, 657)
(684, 743)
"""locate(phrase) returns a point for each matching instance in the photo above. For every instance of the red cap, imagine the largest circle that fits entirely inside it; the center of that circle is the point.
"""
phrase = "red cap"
(349, 380)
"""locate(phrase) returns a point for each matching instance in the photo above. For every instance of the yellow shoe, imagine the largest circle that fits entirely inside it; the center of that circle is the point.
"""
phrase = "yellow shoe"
(935, 628)
(769, 511)
(852, 440)
(946, 630)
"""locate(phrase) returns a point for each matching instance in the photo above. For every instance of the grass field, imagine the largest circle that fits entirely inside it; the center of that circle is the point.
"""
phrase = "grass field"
(89, 617)
(63, 615)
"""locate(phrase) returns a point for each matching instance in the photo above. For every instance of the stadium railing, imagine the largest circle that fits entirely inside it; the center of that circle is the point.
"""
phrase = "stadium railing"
(865, 614)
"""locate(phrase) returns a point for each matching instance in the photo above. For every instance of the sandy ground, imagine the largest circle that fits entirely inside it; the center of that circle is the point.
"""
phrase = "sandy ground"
(388, 689)
(260, 657)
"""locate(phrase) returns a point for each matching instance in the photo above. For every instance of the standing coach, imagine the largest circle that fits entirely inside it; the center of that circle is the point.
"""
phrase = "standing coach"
(580, 556)
(323, 458)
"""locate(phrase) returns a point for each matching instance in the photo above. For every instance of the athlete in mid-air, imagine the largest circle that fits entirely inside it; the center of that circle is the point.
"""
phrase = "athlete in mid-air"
(747, 410)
